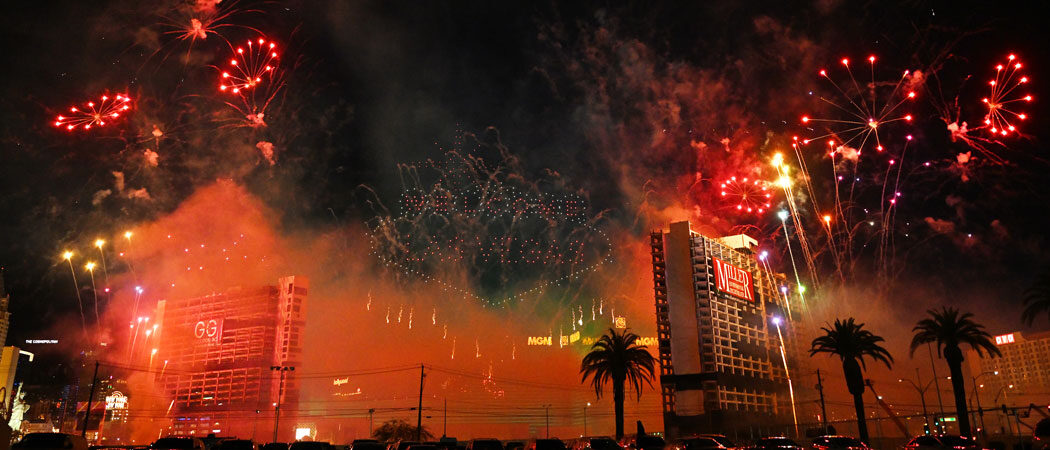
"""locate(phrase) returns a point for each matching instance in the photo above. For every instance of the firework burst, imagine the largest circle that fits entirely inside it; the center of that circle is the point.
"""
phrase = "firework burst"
(746, 195)
(192, 23)
(106, 110)
(863, 114)
(253, 76)
(1006, 92)
(248, 68)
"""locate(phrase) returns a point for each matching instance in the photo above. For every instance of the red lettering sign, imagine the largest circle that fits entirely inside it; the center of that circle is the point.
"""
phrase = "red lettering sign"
(1004, 339)
(733, 280)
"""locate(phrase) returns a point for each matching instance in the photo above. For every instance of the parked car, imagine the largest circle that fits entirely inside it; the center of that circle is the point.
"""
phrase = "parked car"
(695, 443)
(775, 443)
(51, 441)
(942, 442)
(309, 445)
(547, 444)
(367, 444)
(485, 444)
(721, 439)
(838, 443)
(514, 445)
(402, 445)
(275, 446)
(236, 444)
(177, 443)
(596, 443)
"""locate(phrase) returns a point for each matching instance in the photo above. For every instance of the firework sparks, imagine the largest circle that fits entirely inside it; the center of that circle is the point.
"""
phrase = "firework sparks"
(106, 110)
(1005, 93)
(745, 195)
(254, 77)
(862, 115)
(248, 68)
(192, 23)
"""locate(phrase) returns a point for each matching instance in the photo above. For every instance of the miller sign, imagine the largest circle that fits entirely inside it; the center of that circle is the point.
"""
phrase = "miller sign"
(733, 280)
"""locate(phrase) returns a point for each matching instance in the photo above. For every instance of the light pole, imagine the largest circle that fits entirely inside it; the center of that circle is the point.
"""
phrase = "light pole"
(547, 414)
(922, 396)
(783, 358)
(585, 418)
(977, 395)
(280, 394)
(1006, 399)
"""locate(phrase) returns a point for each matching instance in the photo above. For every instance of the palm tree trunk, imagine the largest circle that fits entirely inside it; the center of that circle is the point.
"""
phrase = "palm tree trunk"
(959, 389)
(618, 393)
(862, 423)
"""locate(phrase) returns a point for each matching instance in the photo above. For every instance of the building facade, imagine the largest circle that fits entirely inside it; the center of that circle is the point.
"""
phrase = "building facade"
(5, 316)
(717, 314)
(1021, 376)
(216, 358)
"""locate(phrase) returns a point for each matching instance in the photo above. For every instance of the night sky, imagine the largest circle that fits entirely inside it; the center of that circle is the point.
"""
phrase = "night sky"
(631, 105)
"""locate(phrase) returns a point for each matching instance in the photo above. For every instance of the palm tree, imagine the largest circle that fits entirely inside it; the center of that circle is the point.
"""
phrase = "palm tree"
(616, 358)
(851, 343)
(949, 329)
(398, 430)
(1037, 300)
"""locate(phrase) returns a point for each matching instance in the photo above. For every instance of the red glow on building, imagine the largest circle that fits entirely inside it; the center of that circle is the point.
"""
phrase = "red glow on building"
(218, 351)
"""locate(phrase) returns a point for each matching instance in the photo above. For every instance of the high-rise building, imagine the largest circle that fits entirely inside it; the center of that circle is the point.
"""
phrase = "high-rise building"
(5, 316)
(1020, 376)
(717, 314)
(216, 356)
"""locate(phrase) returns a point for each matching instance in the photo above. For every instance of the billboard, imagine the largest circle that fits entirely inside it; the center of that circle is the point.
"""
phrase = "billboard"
(733, 280)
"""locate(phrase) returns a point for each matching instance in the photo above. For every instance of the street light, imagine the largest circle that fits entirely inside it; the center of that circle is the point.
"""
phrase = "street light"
(585, 418)
(977, 395)
(922, 395)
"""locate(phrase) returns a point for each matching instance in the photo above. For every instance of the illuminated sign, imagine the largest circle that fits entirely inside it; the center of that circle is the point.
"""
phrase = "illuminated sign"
(733, 280)
(577, 339)
(41, 341)
(1004, 339)
(574, 337)
(340, 381)
(647, 341)
(539, 340)
(210, 329)
(620, 322)
(116, 400)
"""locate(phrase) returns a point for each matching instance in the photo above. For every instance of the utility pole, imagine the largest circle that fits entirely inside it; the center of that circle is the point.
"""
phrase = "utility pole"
(419, 410)
(280, 396)
(91, 397)
(936, 385)
(444, 424)
(823, 409)
(371, 411)
(547, 409)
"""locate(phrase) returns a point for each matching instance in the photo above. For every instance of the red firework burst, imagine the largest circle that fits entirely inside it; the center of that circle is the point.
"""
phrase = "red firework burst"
(248, 68)
(863, 111)
(1005, 92)
(747, 196)
(254, 77)
(106, 110)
